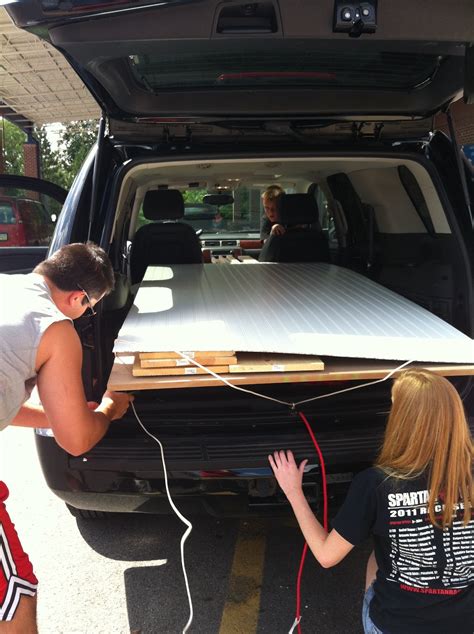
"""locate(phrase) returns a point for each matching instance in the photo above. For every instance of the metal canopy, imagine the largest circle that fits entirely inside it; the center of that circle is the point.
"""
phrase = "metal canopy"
(37, 84)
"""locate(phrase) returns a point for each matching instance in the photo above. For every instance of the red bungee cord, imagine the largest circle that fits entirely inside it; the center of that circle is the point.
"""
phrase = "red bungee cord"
(325, 518)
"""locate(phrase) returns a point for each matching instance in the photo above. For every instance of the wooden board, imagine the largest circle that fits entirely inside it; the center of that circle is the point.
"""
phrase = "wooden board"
(247, 259)
(198, 356)
(211, 361)
(248, 362)
(186, 371)
(336, 369)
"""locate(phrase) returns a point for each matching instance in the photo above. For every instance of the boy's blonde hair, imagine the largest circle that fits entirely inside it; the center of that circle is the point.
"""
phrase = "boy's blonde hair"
(272, 192)
(427, 432)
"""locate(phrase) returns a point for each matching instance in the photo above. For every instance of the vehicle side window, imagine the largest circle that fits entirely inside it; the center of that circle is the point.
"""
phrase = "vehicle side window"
(27, 218)
(326, 219)
(415, 194)
(7, 215)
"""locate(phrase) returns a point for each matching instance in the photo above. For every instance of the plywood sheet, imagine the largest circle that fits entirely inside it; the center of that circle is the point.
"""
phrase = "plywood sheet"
(315, 309)
(121, 378)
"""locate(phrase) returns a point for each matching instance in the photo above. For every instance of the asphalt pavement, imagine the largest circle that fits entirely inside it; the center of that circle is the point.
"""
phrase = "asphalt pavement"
(123, 574)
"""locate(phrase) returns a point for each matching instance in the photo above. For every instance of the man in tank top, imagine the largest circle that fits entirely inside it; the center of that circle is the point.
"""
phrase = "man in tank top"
(39, 346)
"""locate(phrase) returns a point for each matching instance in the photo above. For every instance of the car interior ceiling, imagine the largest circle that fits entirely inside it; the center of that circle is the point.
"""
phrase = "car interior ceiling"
(388, 223)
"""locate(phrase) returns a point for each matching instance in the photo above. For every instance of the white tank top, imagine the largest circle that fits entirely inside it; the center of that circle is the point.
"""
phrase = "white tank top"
(26, 311)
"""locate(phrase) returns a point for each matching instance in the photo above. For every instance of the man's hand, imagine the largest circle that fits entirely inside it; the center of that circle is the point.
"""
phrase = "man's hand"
(114, 404)
(277, 230)
(287, 473)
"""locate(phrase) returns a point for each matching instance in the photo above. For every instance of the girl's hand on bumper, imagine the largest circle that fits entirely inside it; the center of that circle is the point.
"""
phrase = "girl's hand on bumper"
(288, 474)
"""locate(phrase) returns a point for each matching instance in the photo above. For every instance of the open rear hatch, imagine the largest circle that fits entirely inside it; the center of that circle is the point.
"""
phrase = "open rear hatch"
(187, 60)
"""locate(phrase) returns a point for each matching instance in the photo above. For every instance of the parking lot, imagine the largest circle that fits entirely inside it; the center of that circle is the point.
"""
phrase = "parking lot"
(123, 574)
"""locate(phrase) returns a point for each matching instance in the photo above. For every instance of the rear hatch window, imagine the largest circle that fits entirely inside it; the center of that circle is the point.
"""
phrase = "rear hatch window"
(303, 63)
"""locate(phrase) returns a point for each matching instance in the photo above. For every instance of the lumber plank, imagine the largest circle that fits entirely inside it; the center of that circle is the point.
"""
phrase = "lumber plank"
(247, 259)
(198, 356)
(180, 363)
(188, 371)
(248, 362)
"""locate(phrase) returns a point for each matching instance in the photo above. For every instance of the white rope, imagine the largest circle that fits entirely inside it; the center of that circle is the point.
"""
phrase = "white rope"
(181, 517)
(356, 387)
(276, 400)
(295, 624)
(221, 378)
(289, 404)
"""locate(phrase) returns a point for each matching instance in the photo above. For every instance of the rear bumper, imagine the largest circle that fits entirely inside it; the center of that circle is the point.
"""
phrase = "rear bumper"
(206, 475)
(244, 498)
(216, 506)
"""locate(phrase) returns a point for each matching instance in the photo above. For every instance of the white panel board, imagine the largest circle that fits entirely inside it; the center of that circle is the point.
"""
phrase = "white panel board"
(317, 309)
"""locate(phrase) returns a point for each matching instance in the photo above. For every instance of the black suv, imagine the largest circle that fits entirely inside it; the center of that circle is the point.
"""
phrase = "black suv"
(204, 96)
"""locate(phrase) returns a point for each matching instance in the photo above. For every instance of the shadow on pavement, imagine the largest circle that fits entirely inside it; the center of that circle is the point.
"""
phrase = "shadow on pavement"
(331, 600)
(156, 596)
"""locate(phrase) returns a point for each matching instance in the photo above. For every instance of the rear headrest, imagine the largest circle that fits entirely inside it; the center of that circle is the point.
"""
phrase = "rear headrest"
(163, 204)
(296, 209)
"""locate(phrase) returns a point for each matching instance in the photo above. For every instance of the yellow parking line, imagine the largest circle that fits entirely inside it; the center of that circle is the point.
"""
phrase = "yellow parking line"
(240, 614)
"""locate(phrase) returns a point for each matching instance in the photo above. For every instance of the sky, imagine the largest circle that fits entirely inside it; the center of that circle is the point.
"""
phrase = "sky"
(53, 131)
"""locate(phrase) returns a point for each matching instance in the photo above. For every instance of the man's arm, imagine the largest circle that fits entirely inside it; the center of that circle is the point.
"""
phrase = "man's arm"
(31, 415)
(59, 361)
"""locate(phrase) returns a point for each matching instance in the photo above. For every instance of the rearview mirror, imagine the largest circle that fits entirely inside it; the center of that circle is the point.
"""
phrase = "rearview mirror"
(218, 199)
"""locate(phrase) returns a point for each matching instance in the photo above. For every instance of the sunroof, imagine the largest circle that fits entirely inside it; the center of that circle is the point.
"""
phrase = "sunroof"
(301, 64)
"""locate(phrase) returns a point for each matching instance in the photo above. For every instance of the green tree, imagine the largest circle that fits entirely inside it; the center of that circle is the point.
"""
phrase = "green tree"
(13, 140)
(194, 195)
(52, 167)
(59, 165)
(75, 141)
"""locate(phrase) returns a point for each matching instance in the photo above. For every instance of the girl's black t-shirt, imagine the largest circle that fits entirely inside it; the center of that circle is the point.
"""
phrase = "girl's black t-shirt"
(425, 577)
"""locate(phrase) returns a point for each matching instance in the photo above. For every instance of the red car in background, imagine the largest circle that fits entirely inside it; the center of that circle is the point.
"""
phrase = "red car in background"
(24, 222)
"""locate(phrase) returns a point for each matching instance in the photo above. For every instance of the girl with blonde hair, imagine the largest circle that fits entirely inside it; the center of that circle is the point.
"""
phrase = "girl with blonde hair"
(416, 503)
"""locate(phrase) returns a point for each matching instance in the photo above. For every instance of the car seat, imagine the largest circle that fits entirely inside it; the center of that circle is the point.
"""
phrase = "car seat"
(359, 249)
(165, 240)
(300, 242)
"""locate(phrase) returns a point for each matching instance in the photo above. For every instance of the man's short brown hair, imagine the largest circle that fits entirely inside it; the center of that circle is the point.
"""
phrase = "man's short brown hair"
(86, 266)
